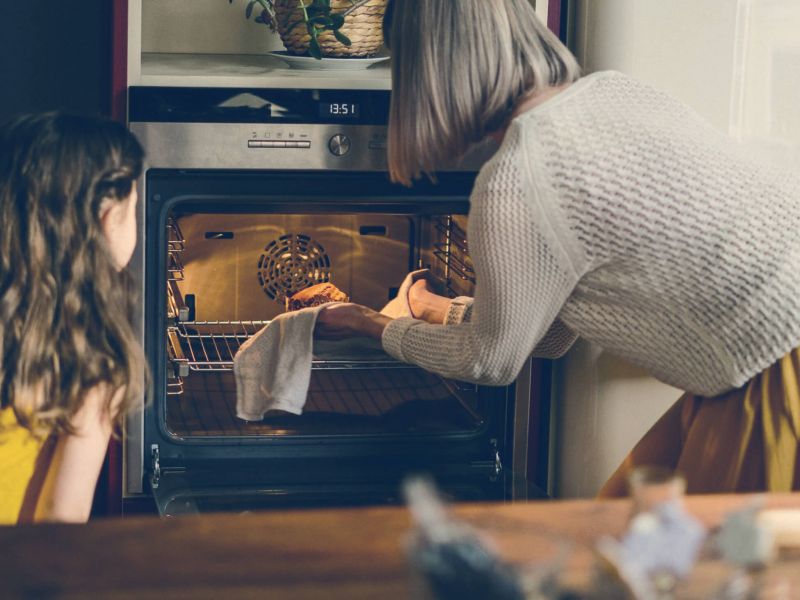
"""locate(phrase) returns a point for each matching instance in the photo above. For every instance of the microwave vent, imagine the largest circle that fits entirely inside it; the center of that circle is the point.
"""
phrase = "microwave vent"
(292, 263)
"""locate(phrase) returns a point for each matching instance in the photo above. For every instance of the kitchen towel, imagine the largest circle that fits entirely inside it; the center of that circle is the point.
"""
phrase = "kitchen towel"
(273, 368)
(399, 306)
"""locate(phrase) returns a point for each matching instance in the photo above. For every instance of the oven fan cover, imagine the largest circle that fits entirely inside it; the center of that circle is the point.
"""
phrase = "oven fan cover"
(292, 263)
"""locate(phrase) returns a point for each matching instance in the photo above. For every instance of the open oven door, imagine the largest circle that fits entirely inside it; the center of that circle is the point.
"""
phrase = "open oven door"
(369, 422)
(179, 491)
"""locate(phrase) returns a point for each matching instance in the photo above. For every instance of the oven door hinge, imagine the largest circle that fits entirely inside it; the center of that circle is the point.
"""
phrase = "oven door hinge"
(498, 464)
(155, 465)
(493, 467)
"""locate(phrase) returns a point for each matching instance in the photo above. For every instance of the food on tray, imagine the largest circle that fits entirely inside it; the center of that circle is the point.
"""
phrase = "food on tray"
(322, 293)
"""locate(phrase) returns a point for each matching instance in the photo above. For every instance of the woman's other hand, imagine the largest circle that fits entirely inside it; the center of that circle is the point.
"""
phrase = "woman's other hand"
(340, 320)
(426, 305)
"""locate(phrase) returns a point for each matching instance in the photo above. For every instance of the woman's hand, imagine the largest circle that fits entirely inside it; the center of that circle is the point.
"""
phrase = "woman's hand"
(340, 320)
(425, 304)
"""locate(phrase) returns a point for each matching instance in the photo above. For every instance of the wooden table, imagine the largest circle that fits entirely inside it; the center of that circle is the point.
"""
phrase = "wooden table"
(350, 554)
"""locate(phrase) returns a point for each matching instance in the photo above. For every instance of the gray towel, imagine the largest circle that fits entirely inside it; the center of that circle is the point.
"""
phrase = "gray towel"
(273, 368)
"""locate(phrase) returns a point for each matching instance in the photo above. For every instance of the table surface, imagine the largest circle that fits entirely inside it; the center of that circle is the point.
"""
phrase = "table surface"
(351, 554)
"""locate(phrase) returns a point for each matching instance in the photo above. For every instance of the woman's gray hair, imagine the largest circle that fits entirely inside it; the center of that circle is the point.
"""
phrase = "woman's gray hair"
(459, 68)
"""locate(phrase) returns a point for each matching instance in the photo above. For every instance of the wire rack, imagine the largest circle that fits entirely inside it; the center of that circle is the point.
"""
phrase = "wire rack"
(211, 345)
(175, 375)
(175, 240)
(173, 309)
(204, 346)
(175, 387)
(176, 244)
(452, 251)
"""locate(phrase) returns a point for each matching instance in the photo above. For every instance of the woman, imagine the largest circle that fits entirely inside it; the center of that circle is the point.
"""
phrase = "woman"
(71, 364)
(612, 212)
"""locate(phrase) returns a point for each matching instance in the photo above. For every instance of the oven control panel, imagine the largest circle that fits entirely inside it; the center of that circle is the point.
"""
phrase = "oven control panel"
(260, 128)
(338, 144)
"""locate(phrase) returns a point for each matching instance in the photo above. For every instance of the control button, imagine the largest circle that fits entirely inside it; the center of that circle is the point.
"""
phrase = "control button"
(267, 144)
(303, 144)
(291, 144)
(339, 145)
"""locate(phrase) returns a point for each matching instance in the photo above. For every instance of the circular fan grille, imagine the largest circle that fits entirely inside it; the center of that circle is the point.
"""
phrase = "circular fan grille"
(292, 263)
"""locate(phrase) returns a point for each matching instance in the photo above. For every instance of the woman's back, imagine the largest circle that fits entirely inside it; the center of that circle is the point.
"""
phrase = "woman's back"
(690, 258)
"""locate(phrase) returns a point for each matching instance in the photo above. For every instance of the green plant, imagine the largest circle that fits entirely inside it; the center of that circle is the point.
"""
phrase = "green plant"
(317, 16)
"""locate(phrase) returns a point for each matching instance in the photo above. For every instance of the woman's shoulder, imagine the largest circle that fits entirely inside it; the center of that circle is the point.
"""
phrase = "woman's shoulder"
(592, 92)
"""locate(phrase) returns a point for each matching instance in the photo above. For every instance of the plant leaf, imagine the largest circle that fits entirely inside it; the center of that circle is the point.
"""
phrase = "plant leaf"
(313, 46)
(325, 21)
(337, 20)
(342, 38)
(248, 12)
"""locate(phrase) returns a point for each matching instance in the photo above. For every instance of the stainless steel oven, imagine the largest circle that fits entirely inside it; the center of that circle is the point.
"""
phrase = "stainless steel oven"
(249, 196)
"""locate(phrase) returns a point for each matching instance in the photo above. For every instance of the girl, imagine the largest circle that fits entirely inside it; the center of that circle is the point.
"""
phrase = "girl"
(71, 365)
(610, 211)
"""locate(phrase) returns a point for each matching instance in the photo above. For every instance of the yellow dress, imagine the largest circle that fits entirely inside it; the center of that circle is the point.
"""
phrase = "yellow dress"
(745, 440)
(19, 450)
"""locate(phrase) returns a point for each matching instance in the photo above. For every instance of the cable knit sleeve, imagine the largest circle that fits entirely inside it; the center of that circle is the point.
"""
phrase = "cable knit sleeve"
(555, 343)
(525, 274)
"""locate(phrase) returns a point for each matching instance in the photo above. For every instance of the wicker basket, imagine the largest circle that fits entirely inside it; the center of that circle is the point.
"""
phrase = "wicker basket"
(363, 26)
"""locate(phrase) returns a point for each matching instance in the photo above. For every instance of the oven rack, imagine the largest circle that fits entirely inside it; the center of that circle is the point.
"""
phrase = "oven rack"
(174, 266)
(175, 386)
(204, 346)
(176, 244)
(452, 251)
(175, 376)
(173, 309)
(175, 240)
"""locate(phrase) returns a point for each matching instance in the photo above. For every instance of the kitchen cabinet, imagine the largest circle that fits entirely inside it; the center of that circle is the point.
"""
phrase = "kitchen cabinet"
(55, 55)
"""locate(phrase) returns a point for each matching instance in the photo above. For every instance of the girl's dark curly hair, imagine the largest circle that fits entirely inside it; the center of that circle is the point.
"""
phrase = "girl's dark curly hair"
(65, 309)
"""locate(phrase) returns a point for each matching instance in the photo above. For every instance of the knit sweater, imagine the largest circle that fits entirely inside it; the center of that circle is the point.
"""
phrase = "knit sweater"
(615, 212)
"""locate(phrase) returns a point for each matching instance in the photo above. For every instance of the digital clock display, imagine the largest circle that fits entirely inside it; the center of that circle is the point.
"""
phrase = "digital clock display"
(339, 110)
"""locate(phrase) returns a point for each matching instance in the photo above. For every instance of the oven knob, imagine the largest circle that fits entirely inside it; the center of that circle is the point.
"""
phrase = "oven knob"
(339, 145)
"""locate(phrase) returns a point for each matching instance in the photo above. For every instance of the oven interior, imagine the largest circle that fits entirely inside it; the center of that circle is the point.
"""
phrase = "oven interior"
(229, 273)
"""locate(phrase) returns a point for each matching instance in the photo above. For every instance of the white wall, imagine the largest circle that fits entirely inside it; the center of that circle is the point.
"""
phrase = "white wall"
(204, 27)
(737, 62)
(685, 47)
(766, 107)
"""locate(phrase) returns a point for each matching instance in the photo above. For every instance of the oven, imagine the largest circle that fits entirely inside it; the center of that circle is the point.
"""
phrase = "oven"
(249, 196)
